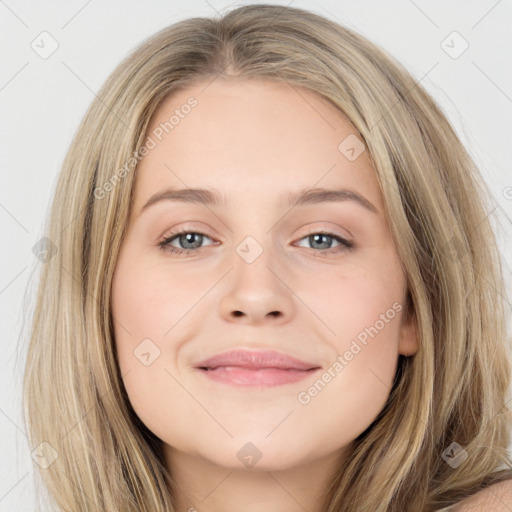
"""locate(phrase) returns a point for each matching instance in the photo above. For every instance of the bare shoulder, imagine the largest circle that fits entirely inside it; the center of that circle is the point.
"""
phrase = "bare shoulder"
(495, 498)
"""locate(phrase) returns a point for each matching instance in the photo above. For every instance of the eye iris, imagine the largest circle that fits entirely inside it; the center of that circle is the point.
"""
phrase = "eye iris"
(314, 238)
(189, 238)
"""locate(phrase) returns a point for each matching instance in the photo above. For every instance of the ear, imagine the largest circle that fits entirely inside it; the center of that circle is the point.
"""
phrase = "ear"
(409, 343)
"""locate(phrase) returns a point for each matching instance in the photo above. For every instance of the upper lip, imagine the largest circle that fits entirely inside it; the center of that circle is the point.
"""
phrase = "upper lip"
(256, 359)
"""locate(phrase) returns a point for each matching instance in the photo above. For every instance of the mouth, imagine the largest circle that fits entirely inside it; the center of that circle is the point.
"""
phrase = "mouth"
(238, 376)
(249, 368)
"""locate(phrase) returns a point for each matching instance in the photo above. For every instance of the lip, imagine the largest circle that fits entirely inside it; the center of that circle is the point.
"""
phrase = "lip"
(256, 368)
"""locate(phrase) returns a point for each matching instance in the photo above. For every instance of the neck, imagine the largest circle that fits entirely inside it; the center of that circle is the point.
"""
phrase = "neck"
(201, 486)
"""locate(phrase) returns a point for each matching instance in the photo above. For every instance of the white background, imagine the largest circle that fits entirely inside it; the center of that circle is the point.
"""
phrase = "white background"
(43, 100)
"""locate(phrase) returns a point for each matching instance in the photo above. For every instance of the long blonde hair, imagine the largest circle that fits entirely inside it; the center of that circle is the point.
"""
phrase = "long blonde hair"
(452, 391)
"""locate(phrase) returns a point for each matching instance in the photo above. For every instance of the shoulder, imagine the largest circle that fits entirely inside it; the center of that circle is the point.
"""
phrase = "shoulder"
(495, 498)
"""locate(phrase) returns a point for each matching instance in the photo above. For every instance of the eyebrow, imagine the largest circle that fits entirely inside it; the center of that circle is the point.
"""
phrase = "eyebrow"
(298, 198)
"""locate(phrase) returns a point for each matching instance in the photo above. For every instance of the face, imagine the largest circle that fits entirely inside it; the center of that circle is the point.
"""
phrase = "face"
(319, 280)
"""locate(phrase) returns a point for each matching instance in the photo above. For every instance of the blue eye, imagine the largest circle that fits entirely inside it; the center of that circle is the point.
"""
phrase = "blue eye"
(319, 238)
(184, 237)
(195, 239)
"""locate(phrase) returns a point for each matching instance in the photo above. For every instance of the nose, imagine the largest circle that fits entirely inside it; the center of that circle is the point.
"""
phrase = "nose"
(258, 291)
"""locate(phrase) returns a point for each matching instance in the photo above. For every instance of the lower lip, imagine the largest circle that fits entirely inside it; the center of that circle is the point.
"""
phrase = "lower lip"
(238, 376)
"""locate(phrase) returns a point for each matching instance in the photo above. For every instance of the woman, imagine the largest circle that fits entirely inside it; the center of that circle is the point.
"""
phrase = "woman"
(259, 371)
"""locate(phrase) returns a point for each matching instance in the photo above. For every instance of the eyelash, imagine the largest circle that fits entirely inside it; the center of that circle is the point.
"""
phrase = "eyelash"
(346, 245)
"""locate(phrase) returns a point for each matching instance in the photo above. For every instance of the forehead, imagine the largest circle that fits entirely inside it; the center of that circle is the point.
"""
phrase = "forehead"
(254, 139)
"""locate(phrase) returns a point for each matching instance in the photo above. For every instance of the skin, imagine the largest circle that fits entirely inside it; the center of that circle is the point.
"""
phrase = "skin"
(496, 498)
(255, 141)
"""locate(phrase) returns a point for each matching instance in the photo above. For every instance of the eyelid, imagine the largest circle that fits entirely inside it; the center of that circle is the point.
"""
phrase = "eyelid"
(334, 231)
(186, 228)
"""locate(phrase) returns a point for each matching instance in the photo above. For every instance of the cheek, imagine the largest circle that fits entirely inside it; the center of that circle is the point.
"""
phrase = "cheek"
(145, 307)
(360, 312)
(147, 303)
(350, 302)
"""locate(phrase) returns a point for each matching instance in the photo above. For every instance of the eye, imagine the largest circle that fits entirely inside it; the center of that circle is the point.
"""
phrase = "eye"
(192, 241)
(325, 239)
